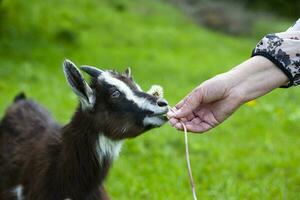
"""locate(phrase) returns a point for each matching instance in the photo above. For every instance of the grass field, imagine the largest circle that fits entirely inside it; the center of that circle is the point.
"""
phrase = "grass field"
(254, 155)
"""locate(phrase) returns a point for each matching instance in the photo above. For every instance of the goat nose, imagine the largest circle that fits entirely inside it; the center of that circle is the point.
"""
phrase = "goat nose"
(162, 103)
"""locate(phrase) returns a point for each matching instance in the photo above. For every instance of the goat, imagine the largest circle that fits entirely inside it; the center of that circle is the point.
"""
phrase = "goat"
(41, 160)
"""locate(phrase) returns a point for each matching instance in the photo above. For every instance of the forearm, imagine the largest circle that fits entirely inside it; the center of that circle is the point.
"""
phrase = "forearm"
(254, 78)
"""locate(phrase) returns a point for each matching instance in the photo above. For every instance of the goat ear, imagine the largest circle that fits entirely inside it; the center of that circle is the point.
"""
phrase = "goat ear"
(127, 72)
(79, 85)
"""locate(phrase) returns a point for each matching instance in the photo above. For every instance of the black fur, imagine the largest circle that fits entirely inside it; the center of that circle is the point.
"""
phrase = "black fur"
(54, 162)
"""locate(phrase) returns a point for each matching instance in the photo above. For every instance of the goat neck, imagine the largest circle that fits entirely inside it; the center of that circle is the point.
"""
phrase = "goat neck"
(80, 160)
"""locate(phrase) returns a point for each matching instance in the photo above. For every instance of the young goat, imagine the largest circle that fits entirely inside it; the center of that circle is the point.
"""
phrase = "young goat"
(39, 160)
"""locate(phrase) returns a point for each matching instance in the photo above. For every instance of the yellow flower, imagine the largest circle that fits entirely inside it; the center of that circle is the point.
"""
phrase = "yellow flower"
(251, 103)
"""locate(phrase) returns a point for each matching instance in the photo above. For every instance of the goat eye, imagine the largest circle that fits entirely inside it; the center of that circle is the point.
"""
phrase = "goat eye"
(115, 94)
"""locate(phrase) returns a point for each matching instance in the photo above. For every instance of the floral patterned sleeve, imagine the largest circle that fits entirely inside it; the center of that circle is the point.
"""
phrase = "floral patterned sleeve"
(283, 49)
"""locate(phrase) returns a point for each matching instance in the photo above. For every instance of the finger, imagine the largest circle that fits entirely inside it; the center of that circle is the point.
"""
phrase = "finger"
(190, 117)
(183, 119)
(170, 113)
(178, 105)
(173, 121)
(198, 128)
(189, 105)
(196, 120)
(178, 126)
(205, 114)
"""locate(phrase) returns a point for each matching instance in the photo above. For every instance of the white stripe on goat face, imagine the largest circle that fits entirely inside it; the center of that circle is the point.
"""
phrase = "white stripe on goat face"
(141, 102)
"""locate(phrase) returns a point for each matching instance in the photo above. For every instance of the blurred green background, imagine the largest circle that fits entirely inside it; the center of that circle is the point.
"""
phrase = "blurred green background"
(177, 44)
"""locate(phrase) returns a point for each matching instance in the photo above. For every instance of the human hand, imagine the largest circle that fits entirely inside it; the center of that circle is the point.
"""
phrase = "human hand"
(216, 99)
(206, 106)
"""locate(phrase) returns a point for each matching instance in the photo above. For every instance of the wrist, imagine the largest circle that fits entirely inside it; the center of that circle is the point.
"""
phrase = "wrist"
(254, 78)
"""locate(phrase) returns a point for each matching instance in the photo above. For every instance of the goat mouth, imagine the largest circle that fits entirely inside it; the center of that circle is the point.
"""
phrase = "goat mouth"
(163, 117)
(155, 120)
(160, 114)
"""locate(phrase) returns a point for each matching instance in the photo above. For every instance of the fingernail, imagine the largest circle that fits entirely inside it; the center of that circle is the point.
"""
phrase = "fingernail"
(170, 114)
(183, 119)
(178, 126)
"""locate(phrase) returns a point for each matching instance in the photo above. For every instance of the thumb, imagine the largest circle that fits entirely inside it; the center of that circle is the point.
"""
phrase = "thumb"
(190, 103)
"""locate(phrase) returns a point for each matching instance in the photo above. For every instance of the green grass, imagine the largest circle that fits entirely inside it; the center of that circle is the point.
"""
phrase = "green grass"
(254, 155)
